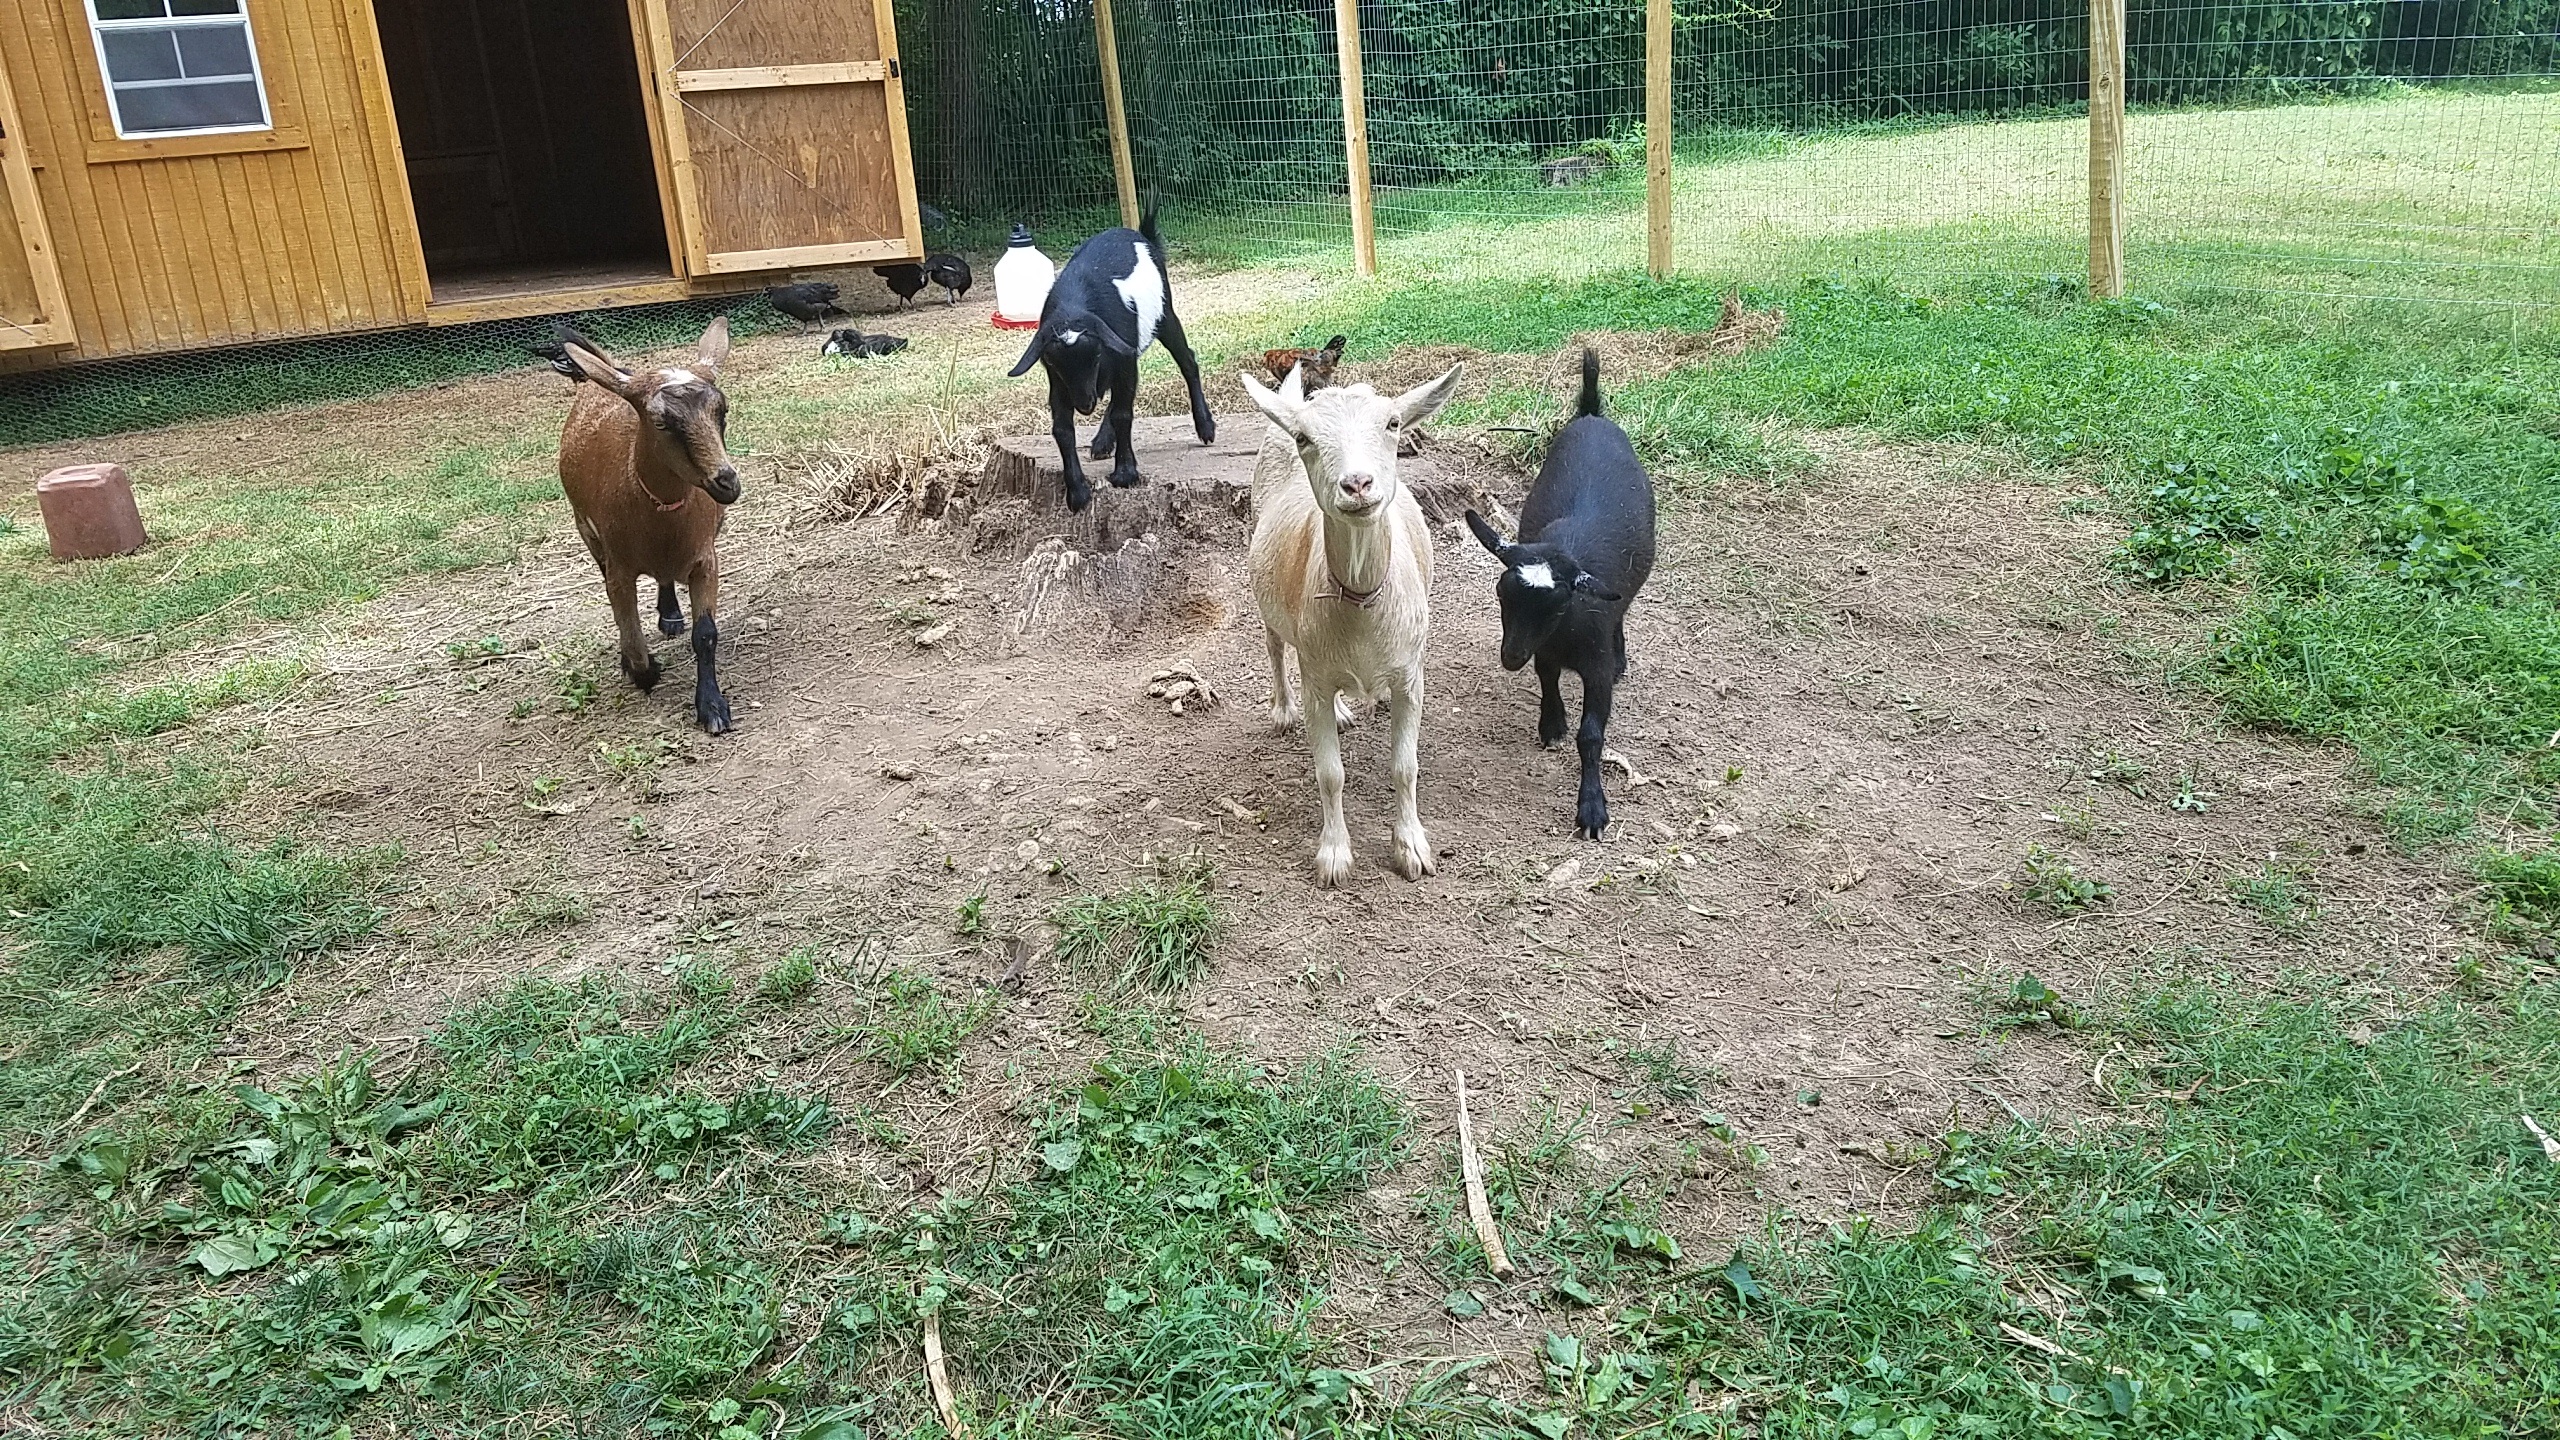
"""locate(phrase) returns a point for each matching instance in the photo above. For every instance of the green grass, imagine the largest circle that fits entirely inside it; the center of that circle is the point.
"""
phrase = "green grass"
(1155, 937)
(911, 1025)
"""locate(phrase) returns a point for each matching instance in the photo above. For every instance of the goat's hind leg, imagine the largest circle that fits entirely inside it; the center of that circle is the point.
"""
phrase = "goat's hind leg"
(1178, 345)
(1103, 444)
(1284, 701)
(1122, 419)
(710, 707)
(670, 616)
(1413, 844)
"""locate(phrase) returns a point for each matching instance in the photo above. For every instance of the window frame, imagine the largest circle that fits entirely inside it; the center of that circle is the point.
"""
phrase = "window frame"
(99, 30)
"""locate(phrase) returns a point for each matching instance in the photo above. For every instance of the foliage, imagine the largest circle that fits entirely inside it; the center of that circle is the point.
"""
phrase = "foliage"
(911, 1024)
(2053, 881)
(1155, 936)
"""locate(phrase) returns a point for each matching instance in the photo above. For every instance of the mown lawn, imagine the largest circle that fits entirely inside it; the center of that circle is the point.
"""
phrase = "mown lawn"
(2304, 1216)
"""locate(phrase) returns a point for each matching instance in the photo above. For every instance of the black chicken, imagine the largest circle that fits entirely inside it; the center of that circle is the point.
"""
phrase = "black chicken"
(810, 300)
(854, 345)
(564, 335)
(951, 273)
(906, 280)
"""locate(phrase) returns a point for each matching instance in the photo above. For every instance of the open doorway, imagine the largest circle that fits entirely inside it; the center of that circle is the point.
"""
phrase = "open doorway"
(527, 144)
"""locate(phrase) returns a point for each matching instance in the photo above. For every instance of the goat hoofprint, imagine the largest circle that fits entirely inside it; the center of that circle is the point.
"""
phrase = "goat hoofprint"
(1585, 549)
(1341, 566)
(644, 461)
(1106, 307)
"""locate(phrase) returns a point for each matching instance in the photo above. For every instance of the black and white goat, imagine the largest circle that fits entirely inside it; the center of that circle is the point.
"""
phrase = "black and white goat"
(1107, 306)
(1585, 549)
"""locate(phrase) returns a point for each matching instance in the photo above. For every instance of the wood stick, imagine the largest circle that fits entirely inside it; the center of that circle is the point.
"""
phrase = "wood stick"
(1355, 137)
(1115, 113)
(1472, 1169)
(945, 1404)
(2106, 149)
(1657, 140)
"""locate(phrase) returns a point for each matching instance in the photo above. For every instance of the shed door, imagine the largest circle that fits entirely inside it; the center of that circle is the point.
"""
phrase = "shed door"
(32, 309)
(787, 132)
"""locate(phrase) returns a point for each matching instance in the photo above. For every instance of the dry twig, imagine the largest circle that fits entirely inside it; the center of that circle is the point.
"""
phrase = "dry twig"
(1472, 1170)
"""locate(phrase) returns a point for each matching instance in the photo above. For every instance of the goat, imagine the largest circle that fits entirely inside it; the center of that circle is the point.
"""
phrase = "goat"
(1585, 549)
(1341, 567)
(635, 450)
(1107, 306)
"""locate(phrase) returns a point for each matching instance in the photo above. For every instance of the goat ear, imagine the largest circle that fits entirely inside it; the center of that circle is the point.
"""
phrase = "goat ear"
(595, 367)
(1488, 537)
(1031, 352)
(1593, 588)
(713, 352)
(1415, 406)
(1112, 342)
(1280, 409)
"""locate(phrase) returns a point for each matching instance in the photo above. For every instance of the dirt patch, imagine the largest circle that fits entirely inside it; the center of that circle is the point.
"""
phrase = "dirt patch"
(1860, 698)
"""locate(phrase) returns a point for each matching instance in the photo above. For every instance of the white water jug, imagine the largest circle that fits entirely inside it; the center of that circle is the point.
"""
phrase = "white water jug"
(1023, 278)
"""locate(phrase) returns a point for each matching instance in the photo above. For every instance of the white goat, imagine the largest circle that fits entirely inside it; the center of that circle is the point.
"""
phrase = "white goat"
(1341, 564)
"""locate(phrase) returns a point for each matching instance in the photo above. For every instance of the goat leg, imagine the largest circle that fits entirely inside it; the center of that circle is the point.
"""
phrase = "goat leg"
(1284, 703)
(1333, 844)
(1062, 425)
(1413, 844)
(1103, 444)
(1591, 808)
(623, 590)
(1178, 345)
(1123, 420)
(1550, 703)
(670, 618)
(710, 707)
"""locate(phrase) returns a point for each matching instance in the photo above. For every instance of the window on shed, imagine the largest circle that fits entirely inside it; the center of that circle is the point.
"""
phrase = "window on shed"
(179, 67)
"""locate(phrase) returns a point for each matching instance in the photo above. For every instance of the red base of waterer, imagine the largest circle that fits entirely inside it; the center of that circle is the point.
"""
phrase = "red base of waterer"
(1004, 324)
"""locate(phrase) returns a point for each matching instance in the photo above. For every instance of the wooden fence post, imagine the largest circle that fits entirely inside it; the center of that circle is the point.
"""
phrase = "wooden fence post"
(1657, 138)
(1116, 112)
(2106, 149)
(1355, 136)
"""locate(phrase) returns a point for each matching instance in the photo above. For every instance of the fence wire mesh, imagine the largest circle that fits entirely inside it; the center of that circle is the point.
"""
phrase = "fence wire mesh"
(2387, 149)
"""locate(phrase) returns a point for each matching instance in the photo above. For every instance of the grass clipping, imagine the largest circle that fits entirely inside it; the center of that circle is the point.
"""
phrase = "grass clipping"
(1155, 936)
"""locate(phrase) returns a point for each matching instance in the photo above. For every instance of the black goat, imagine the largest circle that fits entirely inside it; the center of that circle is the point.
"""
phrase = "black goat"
(1107, 306)
(1585, 549)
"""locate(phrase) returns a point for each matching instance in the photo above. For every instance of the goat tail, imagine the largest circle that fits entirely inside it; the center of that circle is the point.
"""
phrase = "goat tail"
(1147, 220)
(1590, 403)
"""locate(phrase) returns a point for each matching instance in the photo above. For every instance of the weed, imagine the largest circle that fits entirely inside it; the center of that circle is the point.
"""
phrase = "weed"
(2115, 768)
(972, 923)
(540, 908)
(2191, 799)
(2523, 885)
(2052, 880)
(2191, 515)
(1154, 937)
(2078, 819)
(790, 979)
(912, 1025)
(703, 980)
(2031, 1002)
(1667, 1076)
(2436, 540)
(2278, 893)
(577, 690)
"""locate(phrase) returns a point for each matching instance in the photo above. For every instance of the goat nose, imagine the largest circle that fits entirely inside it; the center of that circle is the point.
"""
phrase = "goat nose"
(1358, 482)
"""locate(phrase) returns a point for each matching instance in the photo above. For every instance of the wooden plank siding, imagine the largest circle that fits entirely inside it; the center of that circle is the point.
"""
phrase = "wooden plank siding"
(222, 239)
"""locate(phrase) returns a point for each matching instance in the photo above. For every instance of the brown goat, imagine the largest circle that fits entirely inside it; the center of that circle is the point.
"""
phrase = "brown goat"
(633, 454)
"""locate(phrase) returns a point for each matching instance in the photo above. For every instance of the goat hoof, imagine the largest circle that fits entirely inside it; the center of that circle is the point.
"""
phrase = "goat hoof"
(1414, 859)
(712, 713)
(1284, 717)
(670, 624)
(1079, 494)
(1333, 865)
(1207, 427)
(1123, 479)
(1102, 446)
(1590, 818)
(644, 676)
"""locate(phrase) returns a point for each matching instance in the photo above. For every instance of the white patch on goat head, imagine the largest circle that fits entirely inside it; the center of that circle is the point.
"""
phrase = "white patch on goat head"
(1069, 337)
(1143, 289)
(1538, 576)
(677, 379)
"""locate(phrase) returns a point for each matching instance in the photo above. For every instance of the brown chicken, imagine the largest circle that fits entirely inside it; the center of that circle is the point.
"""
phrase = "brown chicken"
(1319, 363)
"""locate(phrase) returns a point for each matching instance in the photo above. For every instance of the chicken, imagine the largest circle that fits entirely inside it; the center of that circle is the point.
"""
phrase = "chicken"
(854, 345)
(810, 300)
(1318, 364)
(905, 281)
(951, 273)
(564, 335)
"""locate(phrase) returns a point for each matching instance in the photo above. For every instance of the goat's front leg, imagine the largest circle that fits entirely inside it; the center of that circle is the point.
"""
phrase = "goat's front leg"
(1413, 845)
(1591, 809)
(1333, 844)
(1550, 703)
(710, 707)
(623, 588)
(1121, 419)
(670, 618)
(1062, 426)
(1178, 345)
(1284, 702)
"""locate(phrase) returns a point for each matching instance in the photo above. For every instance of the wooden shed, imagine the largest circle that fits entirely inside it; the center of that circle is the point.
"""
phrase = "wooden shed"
(190, 173)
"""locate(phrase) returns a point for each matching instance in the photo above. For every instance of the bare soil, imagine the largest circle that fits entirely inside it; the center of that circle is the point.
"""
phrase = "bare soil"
(1860, 694)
